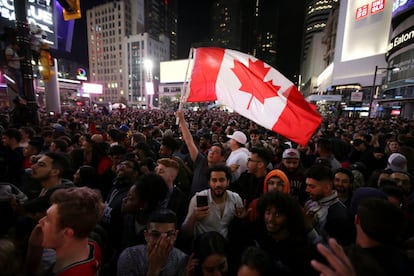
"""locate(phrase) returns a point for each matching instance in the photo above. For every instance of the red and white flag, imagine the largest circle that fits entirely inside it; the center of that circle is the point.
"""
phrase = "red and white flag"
(253, 89)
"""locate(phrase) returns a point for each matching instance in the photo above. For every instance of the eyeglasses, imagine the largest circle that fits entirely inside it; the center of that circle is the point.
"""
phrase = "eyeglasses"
(251, 160)
(156, 234)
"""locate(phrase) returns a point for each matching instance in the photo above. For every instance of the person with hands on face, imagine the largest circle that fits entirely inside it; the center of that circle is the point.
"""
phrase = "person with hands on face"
(158, 256)
(221, 208)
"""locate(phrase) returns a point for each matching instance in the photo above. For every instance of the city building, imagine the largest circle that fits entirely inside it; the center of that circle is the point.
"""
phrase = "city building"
(350, 68)
(397, 89)
(123, 36)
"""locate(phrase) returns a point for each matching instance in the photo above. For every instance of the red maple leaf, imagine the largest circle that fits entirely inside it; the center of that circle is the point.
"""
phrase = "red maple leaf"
(252, 79)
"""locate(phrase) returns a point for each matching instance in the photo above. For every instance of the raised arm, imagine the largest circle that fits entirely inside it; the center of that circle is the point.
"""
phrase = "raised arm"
(187, 137)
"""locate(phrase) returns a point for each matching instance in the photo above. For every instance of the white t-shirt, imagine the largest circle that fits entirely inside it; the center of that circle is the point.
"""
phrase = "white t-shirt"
(214, 221)
(238, 156)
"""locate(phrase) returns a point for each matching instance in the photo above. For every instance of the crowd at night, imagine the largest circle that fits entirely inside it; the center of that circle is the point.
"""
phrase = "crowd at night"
(129, 184)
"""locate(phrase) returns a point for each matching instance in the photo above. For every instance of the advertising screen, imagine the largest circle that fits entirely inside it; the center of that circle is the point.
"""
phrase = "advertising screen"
(401, 6)
(364, 34)
(46, 14)
(40, 13)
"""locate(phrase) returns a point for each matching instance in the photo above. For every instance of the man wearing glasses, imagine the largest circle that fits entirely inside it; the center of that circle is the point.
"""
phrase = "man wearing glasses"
(250, 183)
(158, 256)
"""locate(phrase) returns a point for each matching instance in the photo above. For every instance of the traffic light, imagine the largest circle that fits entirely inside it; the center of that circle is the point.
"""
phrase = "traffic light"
(46, 61)
(71, 9)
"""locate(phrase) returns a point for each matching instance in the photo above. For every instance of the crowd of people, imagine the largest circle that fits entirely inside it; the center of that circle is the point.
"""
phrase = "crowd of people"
(159, 192)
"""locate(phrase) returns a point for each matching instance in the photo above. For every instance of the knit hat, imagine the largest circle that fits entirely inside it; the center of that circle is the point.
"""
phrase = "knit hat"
(397, 162)
(291, 153)
(381, 220)
(282, 176)
(58, 128)
(362, 194)
(124, 128)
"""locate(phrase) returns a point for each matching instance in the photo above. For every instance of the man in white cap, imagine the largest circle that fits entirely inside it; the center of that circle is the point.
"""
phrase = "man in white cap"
(237, 160)
(295, 172)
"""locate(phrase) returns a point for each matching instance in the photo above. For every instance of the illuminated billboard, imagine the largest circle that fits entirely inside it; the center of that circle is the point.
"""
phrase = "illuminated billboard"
(175, 71)
(92, 88)
(366, 25)
(48, 15)
(40, 13)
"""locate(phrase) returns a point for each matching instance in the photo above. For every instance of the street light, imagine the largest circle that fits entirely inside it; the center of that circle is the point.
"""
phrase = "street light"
(149, 85)
(371, 99)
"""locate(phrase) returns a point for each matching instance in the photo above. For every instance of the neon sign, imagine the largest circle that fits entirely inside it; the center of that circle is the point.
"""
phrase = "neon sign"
(376, 7)
(81, 74)
(362, 12)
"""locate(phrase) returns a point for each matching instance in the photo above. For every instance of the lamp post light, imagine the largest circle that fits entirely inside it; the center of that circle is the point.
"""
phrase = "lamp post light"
(373, 88)
(149, 85)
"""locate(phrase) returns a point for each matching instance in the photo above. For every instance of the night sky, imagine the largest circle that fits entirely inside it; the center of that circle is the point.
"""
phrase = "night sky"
(194, 17)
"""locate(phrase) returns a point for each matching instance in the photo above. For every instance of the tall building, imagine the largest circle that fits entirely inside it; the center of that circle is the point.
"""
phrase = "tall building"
(361, 63)
(260, 29)
(122, 35)
(316, 17)
(227, 24)
(248, 26)
(143, 56)
(397, 87)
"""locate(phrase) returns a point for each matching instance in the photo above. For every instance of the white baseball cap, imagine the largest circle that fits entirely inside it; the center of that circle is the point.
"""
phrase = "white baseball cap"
(239, 137)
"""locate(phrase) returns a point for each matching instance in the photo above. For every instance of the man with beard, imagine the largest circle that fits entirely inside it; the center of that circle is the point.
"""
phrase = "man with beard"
(205, 142)
(328, 214)
(221, 206)
(127, 174)
(343, 184)
(47, 171)
(291, 166)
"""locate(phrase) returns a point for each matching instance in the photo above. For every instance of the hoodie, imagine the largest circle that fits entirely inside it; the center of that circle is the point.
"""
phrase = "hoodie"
(286, 190)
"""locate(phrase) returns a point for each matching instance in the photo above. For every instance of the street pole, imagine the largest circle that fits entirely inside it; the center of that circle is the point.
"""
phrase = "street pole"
(22, 36)
(371, 99)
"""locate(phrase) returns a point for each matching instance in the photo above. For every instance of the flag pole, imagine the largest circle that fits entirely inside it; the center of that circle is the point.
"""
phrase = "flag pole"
(185, 83)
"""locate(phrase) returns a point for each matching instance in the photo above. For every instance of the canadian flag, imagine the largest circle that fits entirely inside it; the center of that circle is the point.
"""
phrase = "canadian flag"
(253, 89)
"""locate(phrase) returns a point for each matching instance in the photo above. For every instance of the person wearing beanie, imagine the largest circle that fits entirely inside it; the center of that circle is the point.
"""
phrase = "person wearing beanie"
(377, 251)
(275, 180)
(397, 162)
(362, 194)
